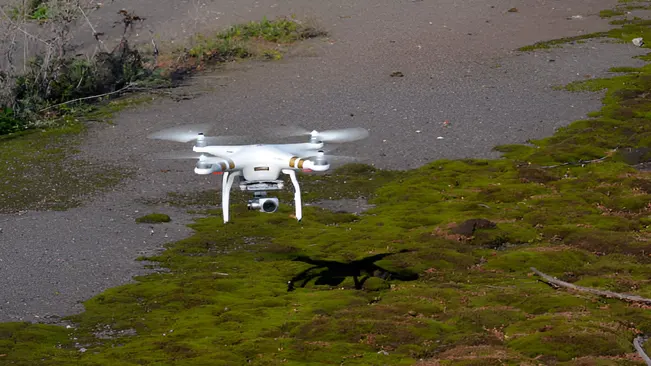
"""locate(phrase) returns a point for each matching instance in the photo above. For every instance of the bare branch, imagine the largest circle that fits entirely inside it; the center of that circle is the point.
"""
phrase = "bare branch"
(638, 344)
(8, 19)
(608, 294)
(128, 86)
(95, 33)
(583, 162)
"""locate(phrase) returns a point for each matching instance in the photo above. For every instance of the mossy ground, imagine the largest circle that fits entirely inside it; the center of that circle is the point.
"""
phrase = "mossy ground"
(37, 173)
(37, 168)
(153, 218)
(631, 27)
(571, 205)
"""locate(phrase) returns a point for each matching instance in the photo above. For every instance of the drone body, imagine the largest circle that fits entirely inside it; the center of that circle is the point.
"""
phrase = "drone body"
(259, 162)
(258, 166)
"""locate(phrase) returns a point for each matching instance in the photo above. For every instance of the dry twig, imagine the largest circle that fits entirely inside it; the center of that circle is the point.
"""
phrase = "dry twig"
(96, 34)
(580, 162)
(128, 86)
(609, 294)
(637, 343)
(584, 162)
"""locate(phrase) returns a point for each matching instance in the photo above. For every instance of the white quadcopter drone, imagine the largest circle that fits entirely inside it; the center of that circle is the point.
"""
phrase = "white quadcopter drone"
(258, 166)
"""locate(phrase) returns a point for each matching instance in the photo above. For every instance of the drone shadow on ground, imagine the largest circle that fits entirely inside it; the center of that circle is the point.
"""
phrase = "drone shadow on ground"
(333, 273)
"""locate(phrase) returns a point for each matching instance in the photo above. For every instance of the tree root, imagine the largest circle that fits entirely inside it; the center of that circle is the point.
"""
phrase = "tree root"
(608, 294)
(639, 340)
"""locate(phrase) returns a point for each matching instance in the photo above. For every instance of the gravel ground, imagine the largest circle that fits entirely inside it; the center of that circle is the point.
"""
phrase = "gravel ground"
(458, 64)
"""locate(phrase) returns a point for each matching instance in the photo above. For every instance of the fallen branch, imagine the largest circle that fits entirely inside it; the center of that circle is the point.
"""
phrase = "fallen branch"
(580, 162)
(637, 343)
(609, 294)
(90, 97)
(583, 162)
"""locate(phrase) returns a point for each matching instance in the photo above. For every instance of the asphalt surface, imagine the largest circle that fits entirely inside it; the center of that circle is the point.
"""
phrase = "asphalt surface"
(459, 65)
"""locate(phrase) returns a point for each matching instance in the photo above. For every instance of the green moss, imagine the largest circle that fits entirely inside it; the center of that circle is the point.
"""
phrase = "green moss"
(153, 218)
(609, 13)
(626, 69)
(37, 173)
(561, 41)
(550, 338)
(548, 261)
(265, 39)
(19, 342)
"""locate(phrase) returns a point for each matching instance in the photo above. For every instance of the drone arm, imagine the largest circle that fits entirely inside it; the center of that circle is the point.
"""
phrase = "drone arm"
(307, 164)
(310, 165)
(297, 193)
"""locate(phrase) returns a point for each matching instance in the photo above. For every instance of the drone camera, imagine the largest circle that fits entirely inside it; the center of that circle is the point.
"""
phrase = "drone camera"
(263, 204)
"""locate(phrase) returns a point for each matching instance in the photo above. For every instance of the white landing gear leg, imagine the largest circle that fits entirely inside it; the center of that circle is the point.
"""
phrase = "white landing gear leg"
(297, 193)
(227, 183)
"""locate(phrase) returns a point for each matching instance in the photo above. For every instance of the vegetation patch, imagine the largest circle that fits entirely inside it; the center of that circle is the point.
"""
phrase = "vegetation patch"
(39, 172)
(264, 39)
(630, 27)
(561, 41)
(153, 218)
(609, 13)
(31, 9)
(54, 81)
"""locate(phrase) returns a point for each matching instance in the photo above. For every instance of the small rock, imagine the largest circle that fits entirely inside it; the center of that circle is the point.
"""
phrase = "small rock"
(412, 313)
(397, 74)
(513, 10)
(440, 138)
(383, 352)
(82, 350)
(638, 41)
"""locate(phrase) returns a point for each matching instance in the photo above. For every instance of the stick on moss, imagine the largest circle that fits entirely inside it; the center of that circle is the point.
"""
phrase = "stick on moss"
(609, 294)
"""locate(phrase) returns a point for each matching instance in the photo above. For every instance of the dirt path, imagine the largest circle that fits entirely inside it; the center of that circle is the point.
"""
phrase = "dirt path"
(458, 63)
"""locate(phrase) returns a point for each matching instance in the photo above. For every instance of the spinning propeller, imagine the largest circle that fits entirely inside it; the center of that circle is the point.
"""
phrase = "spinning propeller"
(326, 155)
(194, 132)
(331, 136)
